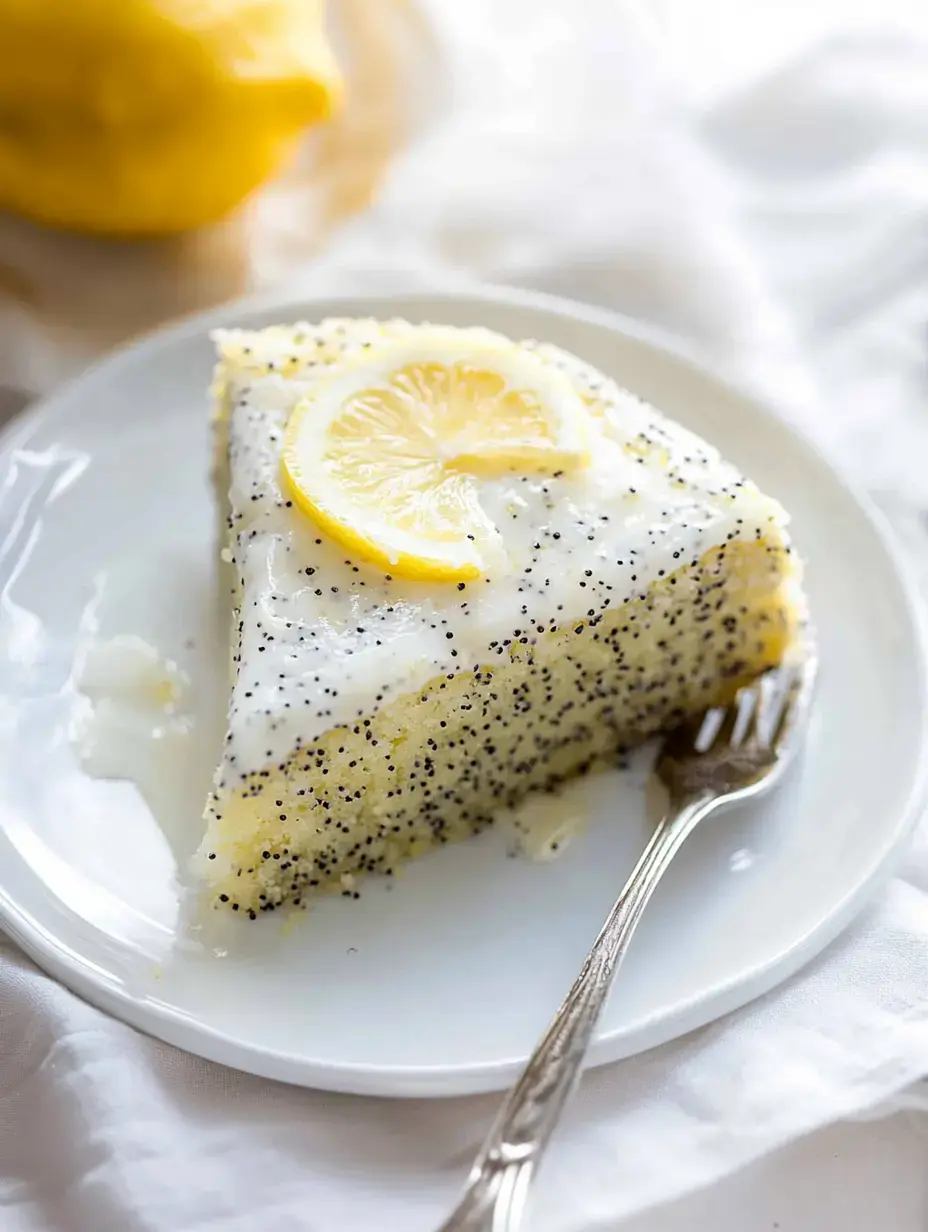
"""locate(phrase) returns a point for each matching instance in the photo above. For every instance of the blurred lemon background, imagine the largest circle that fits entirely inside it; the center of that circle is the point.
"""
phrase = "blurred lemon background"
(151, 117)
(144, 143)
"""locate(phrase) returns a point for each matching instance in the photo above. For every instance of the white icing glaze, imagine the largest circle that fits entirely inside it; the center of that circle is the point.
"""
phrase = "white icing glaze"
(134, 724)
(546, 824)
(326, 640)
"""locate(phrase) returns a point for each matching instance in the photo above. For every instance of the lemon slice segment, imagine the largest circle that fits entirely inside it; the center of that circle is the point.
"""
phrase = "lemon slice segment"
(388, 455)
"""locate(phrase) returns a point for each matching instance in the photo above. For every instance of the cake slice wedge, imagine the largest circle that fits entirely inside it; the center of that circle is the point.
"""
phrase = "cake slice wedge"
(461, 569)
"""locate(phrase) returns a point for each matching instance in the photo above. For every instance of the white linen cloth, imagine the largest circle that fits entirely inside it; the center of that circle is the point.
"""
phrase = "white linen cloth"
(754, 180)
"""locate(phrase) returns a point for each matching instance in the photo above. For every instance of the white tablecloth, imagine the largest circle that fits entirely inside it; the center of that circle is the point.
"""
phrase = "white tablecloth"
(752, 177)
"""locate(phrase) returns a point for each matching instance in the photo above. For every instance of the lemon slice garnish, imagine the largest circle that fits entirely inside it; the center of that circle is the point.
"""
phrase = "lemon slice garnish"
(387, 455)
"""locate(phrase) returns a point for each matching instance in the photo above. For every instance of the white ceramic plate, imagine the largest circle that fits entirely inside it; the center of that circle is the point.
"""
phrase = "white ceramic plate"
(441, 983)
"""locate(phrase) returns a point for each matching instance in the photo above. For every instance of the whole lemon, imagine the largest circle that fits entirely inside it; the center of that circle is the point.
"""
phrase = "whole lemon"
(146, 117)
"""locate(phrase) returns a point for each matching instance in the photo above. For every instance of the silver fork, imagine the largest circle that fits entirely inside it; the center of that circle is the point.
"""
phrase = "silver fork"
(728, 755)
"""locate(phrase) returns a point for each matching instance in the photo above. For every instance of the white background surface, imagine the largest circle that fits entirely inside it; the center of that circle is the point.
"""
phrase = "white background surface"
(754, 177)
(856, 1178)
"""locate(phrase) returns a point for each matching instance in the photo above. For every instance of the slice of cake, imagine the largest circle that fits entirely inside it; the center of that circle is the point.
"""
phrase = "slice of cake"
(461, 569)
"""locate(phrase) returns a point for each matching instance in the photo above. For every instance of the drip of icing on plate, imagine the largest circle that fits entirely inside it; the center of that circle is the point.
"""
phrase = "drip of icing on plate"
(544, 825)
(134, 724)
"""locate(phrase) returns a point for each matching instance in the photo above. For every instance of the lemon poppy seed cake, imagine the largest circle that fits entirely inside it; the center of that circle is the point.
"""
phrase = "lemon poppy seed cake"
(462, 569)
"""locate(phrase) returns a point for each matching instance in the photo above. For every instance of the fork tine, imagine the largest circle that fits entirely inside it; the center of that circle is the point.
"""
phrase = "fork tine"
(799, 696)
(745, 706)
(774, 690)
(709, 729)
(785, 694)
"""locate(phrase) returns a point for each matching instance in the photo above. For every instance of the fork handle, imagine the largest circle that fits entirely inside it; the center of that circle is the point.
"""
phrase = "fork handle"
(496, 1195)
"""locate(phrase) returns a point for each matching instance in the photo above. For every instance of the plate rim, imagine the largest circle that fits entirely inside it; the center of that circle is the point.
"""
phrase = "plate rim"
(407, 1081)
